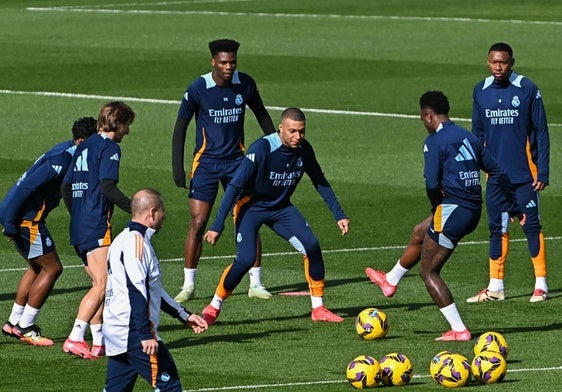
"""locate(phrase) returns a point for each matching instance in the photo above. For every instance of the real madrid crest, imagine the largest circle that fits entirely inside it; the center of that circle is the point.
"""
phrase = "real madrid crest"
(515, 101)
(239, 100)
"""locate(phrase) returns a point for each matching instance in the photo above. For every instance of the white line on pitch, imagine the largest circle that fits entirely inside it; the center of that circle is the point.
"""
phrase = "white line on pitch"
(308, 16)
(327, 251)
(292, 384)
(173, 102)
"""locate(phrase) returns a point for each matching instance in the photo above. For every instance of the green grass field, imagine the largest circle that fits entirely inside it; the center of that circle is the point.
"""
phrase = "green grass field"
(357, 68)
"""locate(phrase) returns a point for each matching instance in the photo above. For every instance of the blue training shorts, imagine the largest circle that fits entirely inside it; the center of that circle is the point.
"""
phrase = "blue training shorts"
(451, 223)
(33, 240)
(206, 176)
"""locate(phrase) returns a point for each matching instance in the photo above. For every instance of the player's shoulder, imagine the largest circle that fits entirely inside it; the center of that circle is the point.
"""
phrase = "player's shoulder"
(265, 143)
(521, 82)
(483, 84)
(60, 151)
(201, 82)
(244, 77)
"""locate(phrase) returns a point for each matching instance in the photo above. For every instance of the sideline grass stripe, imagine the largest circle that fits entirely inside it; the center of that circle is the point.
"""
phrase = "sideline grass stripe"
(285, 15)
(295, 384)
(174, 102)
(344, 250)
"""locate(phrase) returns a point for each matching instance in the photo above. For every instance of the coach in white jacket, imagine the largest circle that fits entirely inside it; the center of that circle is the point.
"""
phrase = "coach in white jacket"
(134, 297)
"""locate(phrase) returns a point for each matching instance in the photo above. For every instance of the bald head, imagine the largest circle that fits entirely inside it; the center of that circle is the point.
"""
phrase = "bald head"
(147, 207)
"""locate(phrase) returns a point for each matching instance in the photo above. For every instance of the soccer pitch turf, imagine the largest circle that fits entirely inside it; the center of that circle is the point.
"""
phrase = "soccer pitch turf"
(357, 68)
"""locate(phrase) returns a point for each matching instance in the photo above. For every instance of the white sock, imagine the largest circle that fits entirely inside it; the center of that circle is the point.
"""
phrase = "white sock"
(97, 335)
(316, 301)
(17, 311)
(189, 277)
(255, 276)
(216, 302)
(396, 273)
(453, 317)
(495, 284)
(78, 331)
(28, 317)
(540, 283)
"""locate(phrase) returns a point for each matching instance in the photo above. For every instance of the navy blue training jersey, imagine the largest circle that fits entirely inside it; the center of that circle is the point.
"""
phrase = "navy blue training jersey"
(453, 160)
(37, 191)
(511, 120)
(269, 175)
(96, 158)
(219, 113)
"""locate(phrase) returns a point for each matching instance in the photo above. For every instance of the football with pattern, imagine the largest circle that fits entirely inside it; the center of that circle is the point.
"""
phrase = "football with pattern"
(363, 372)
(489, 367)
(451, 370)
(491, 341)
(371, 323)
(396, 369)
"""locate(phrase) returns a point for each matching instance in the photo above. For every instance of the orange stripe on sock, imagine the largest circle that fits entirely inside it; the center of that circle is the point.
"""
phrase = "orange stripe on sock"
(539, 261)
(221, 291)
(316, 287)
(497, 266)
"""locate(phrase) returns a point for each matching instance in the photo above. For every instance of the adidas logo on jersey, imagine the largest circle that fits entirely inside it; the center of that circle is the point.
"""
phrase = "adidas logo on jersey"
(531, 204)
(57, 168)
(82, 161)
(115, 157)
(466, 153)
(251, 157)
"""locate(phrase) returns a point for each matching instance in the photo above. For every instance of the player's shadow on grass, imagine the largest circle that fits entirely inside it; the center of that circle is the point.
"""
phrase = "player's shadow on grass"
(303, 286)
(234, 337)
(12, 296)
(551, 295)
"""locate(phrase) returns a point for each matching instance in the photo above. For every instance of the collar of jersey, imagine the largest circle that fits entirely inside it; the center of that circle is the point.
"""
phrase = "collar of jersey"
(210, 82)
(514, 79)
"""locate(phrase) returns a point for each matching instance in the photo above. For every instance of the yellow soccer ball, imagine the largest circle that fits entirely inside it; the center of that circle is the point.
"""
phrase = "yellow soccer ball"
(489, 367)
(396, 369)
(491, 341)
(451, 370)
(371, 323)
(363, 372)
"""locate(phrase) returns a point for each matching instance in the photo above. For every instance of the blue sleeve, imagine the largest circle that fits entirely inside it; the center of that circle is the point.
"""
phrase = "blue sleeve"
(189, 102)
(540, 141)
(255, 103)
(322, 185)
(242, 177)
(432, 172)
(477, 121)
(109, 162)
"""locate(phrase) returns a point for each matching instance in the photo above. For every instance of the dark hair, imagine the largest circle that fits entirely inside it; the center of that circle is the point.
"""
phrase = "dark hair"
(501, 47)
(436, 101)
(223, 45)
(294, 114)
(84, 127)
(113, 115)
